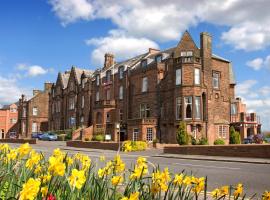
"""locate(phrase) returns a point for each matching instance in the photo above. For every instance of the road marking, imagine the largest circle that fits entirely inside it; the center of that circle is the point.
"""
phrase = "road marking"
(207, 166)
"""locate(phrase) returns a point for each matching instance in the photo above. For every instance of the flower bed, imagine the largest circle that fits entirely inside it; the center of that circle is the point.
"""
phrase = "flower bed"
(26, 174)
(17, 140)
(128, 146)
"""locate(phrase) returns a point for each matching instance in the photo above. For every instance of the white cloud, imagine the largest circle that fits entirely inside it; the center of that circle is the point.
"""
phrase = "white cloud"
(32, 70)
(120, 45)
(245, 87)
(259, 63)
(10, 92)
(248, 21)
(72, 10)
(255, 64)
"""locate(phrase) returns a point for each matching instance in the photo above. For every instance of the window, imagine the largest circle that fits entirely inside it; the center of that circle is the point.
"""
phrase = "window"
(216, 76)
(197, 77)
(82, 101)
(13, 110)
(144, 63)
(83, 82)
(72, 121)
(35, 111)
(233, 109)
(158, 58)
(13, 121)
(34, 127)
(71, 86)
(178, 75)
(97, 96)
(108, 94)
(97, 80)
(188, 107)
(178, 108)
(144, 111)
(71, 103)
(144, 84)
(121, 92)
(107, 117)
(149, 134)
(121, 72)
(197, 107)
(186, 53)
(120, 115)
(222, 131)
(108, 76)
(58, 106)
(135, 136)
(23, 127)
(82, 119)
(24, 112)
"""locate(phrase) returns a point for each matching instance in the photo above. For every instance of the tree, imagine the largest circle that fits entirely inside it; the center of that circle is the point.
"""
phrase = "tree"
(234, 136)
(182, 135)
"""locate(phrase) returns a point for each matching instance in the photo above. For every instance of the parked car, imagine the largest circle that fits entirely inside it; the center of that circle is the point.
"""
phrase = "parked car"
(37, 135)
(48, 136)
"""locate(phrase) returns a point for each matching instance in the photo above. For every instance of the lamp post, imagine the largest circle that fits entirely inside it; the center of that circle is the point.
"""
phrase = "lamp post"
(117, 126)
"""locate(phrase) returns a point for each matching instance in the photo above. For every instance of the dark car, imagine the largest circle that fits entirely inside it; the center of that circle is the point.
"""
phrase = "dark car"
(37, 135)
(48, 136)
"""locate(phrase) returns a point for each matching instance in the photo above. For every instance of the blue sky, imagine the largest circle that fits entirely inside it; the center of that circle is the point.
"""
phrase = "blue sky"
(39, 38)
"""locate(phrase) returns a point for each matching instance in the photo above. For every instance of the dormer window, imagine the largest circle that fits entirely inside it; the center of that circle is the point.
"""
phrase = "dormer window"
(158, 58)
(121, 72)
(186, 53)
(108, 76)
(144, 63)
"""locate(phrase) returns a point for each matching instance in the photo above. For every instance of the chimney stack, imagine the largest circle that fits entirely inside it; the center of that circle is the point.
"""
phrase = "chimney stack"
(35, 92)
(109, 60)
(206, 49)
(47, 86)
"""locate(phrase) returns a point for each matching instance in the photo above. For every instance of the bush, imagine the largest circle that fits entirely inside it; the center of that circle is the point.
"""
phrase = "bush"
(87, 139)
(193, 140)
(68, 136)
(234, 136)
(182, 135)
(98, 137)
(61, 137)
(203, 141)
(219, 142)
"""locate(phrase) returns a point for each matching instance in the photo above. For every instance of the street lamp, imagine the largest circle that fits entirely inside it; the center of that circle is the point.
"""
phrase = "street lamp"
(117, 126)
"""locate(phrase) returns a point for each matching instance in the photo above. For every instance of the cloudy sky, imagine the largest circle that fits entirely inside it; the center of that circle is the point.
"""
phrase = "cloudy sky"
(38, 38)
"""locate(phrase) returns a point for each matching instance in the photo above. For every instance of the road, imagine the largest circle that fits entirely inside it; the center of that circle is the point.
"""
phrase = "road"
(255, 177)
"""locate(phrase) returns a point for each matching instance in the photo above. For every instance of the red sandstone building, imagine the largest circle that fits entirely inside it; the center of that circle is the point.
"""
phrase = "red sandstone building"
(245, 123)
(145, 97)
(33, 113)
(8, 121)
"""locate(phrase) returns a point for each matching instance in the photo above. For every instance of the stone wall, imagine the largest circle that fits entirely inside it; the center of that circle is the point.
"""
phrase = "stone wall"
(252, 150)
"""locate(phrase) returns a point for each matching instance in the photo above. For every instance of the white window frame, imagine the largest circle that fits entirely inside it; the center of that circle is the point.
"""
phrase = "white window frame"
(186, 104)
(71, 103)
(97, 96)
(144, 84)
(178, 76)
(108, 75)
(82, 102)
(121, 72)
(121, 91)
(233, 109)
(144, 63)
(158, 58)
(35, 111)
(216, 80)
(34, 127)
(108, 117)
(149, 134)
(97, 80)
(222, 131)
(178, 108)
(135, 134)
(197, 76)
(198, 107)
(108, 94)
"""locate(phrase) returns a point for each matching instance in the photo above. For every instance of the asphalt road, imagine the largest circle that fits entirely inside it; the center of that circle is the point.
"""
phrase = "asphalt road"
(255, 177)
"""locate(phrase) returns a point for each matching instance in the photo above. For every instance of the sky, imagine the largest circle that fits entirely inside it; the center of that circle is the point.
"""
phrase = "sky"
(39, 38)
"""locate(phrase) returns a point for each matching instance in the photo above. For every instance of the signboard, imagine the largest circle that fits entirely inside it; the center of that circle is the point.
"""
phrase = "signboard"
(108, 137)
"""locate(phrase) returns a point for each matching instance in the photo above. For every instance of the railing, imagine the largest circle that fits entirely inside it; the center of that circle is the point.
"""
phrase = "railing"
(245, 117)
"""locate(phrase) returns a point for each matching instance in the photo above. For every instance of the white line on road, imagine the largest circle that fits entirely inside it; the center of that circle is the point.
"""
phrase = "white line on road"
(207, 166)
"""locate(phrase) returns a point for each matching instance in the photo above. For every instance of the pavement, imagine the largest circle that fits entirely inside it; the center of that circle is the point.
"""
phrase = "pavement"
(254, 173)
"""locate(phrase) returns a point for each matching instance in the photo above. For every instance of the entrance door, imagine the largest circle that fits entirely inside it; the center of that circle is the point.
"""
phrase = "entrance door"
(3, 134)
(123, 135)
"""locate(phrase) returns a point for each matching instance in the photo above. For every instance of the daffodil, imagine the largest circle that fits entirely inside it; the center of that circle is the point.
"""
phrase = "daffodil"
(266, 195)
(238, 190)
(102, 158)
(44, 191)
(178, 179)
(30, 189)
(116, 180)
(77, 178)
(56, 167)
(215, 193)
(24, 149)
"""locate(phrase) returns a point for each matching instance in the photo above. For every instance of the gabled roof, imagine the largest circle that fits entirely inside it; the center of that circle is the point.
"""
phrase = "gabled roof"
(64, 78)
